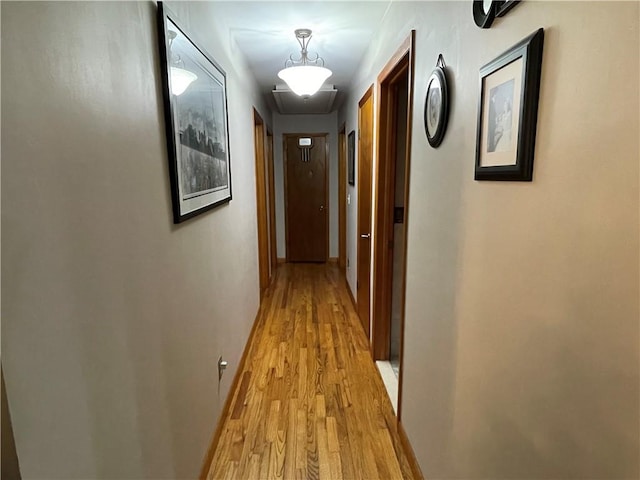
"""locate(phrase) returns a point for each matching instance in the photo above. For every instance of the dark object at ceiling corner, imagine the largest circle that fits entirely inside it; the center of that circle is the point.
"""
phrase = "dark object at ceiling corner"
(480, 17)
(498, 8)
(505, 6)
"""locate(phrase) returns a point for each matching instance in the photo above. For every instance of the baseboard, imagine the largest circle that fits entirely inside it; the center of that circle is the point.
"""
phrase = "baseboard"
(333, 259)
(353, 300)
(227, 404)
(411, 456)
(281, 260)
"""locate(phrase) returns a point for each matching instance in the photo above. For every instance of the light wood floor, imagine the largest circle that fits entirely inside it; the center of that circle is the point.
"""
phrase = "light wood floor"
(310, 402)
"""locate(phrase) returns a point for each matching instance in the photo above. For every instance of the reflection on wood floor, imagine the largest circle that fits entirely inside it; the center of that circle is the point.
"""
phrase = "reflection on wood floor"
(310, 403)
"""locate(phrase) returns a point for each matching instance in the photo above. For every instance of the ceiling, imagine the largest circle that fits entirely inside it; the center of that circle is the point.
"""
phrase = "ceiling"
(263, 31)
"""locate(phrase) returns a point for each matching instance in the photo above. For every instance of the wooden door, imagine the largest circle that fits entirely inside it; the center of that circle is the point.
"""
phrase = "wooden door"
(306, 197)
(365, 160)
(261, 203)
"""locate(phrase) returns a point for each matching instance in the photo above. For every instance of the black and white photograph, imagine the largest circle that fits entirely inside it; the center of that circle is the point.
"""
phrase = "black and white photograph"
(203, 150)
(351, 158)
(434, 104)
(500, 117)
(194, 89)
(508, 112)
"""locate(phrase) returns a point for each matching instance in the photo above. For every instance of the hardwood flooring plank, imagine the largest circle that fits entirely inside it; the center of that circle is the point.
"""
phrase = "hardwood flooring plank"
(388, 451)
(310, 403)
(335, 465)
(254, 468)
(332, 435)
(272, 421)
(301, 441)
(291, 440)
(240, 397)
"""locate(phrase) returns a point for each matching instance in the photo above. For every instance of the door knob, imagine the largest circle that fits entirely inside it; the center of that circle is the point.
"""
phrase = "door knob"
(365, 235)
(322, 208)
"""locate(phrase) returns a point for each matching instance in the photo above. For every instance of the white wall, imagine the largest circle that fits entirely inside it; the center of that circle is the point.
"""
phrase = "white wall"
(306, 124)
(521, 341)
(113, 318)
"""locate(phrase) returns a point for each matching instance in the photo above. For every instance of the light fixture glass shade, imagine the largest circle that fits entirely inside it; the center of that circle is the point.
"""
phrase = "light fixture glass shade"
(304, 80)
(181, 79)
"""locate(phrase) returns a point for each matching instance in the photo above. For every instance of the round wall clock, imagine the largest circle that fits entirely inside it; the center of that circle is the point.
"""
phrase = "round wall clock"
(484, 11)
(436, 105)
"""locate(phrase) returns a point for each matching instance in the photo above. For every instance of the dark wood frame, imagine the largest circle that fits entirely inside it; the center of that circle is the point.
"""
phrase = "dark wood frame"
(401, 63)
(530, 50)
(327, 159)
(170, 111)
(261, 202)
(439, 75)
(351, 158)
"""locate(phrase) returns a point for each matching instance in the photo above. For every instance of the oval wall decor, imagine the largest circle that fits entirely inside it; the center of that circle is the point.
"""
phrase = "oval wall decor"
(484, 11)
(436, 105)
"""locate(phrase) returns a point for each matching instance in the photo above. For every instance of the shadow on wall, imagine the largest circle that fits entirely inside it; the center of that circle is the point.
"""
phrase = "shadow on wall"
(9, 461)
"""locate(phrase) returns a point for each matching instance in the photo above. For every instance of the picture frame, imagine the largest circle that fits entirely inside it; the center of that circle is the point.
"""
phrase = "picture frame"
(505, 6)
(196, 121)
(508, 112)
(351, 158)
(484, 12)
(436, 105)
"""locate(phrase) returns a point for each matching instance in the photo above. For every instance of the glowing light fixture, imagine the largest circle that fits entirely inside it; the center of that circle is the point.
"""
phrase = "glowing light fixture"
(304, 75)
(180, 77)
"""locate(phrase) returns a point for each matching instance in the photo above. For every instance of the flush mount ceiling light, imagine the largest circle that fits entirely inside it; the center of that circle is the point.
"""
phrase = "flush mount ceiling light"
(304, 75)
(180, 78)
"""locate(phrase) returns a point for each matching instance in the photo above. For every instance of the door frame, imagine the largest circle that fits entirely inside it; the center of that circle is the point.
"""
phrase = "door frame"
(400, 64)
(365, 324)
(286, 136)
(264, 276)
(342, 200)
(273, 245)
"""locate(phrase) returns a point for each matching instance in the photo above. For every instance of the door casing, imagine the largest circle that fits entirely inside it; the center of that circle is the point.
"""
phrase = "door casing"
(261, 203)
(342, 198)
(273, 246)
(400, 66)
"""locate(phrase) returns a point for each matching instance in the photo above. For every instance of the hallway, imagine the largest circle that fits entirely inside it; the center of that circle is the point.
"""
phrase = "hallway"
(310, 402)
(520, 300)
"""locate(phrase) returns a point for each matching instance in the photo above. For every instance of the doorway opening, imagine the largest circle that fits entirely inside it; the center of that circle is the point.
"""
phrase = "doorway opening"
(390, 217)
(306, 193)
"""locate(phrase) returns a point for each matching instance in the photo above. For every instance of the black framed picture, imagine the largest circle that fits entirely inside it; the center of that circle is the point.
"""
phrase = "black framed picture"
(436, 106)
(508, 112)
(484, 11)
(505, 7)
(195, 105)
(351, 158)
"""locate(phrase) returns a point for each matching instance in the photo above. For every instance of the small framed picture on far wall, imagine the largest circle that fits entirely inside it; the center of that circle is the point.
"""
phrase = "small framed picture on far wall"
(508, 112)
(351, 158)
